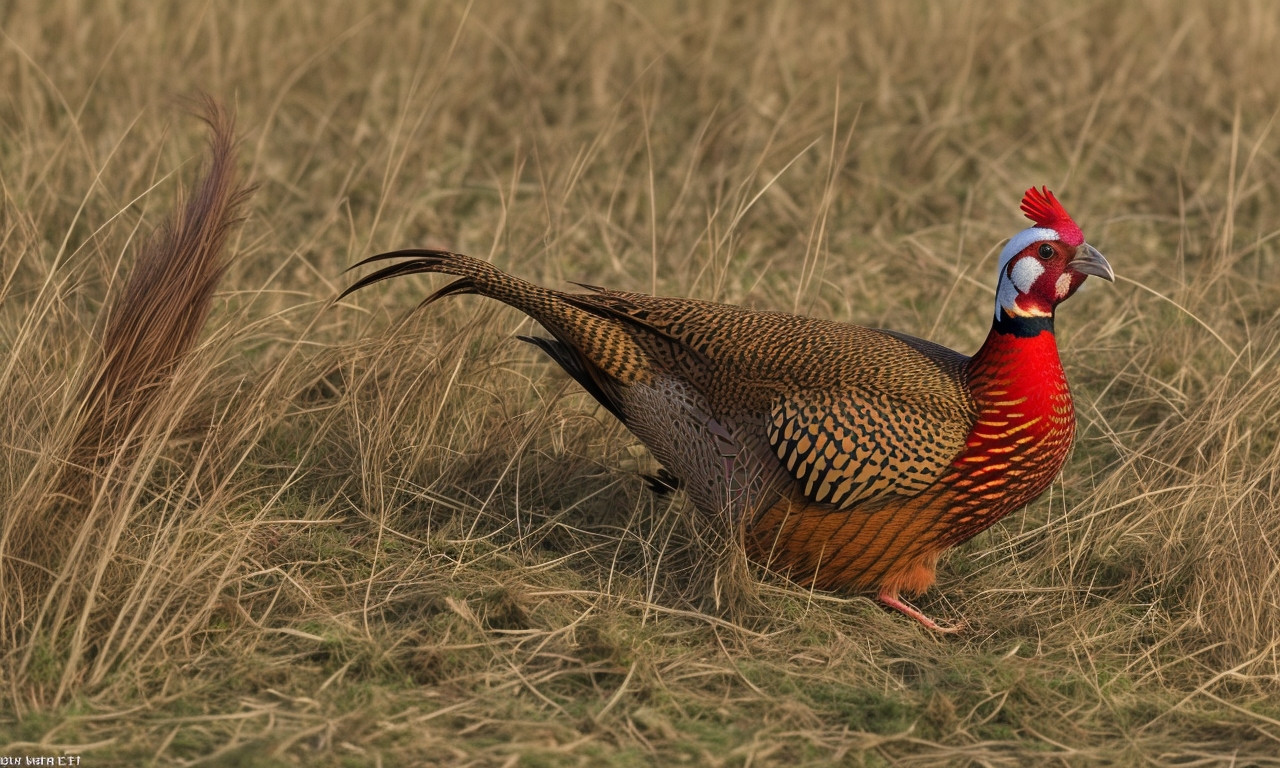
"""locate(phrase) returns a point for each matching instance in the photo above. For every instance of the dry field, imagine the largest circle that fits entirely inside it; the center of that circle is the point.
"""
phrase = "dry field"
(354, 534)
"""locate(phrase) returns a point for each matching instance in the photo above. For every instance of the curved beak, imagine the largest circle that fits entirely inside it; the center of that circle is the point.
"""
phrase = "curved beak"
(1088, 261)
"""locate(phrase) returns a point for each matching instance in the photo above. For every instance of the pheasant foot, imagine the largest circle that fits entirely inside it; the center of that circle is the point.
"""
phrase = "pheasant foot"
(890, 600)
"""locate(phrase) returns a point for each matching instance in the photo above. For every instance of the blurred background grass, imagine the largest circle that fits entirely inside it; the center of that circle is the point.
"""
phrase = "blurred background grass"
(359, 536)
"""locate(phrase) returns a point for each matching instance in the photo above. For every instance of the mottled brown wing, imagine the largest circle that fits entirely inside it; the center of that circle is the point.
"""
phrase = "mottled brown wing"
(847, 448)
(852, 413)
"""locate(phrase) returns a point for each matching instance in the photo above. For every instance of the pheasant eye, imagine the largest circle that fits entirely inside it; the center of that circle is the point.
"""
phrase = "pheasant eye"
(1046, 251)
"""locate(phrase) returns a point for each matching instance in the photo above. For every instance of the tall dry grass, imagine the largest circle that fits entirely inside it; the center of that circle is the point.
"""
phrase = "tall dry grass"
(354, 533)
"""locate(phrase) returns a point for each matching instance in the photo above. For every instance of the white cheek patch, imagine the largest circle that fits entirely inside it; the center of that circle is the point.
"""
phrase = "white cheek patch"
(1063, 285)
(1024, 273)
(1021, 276)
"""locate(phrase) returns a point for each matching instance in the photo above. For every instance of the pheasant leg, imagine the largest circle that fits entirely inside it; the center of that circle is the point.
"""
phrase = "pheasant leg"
(890, 600)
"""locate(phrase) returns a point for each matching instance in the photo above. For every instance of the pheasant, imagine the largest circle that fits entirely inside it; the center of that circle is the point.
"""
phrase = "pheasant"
(851, 457)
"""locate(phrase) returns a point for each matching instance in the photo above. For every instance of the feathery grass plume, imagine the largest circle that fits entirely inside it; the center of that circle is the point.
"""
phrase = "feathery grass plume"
(78, 547)
(156, 319)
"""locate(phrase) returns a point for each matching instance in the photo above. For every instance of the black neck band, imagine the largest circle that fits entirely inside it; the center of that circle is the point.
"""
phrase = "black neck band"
(1025, 327)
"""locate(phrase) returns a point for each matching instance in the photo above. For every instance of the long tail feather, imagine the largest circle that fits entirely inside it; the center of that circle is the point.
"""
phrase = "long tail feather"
(423, 261)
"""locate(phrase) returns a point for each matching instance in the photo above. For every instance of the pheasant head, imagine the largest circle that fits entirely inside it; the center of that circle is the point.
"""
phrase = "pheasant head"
(1045, 263)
